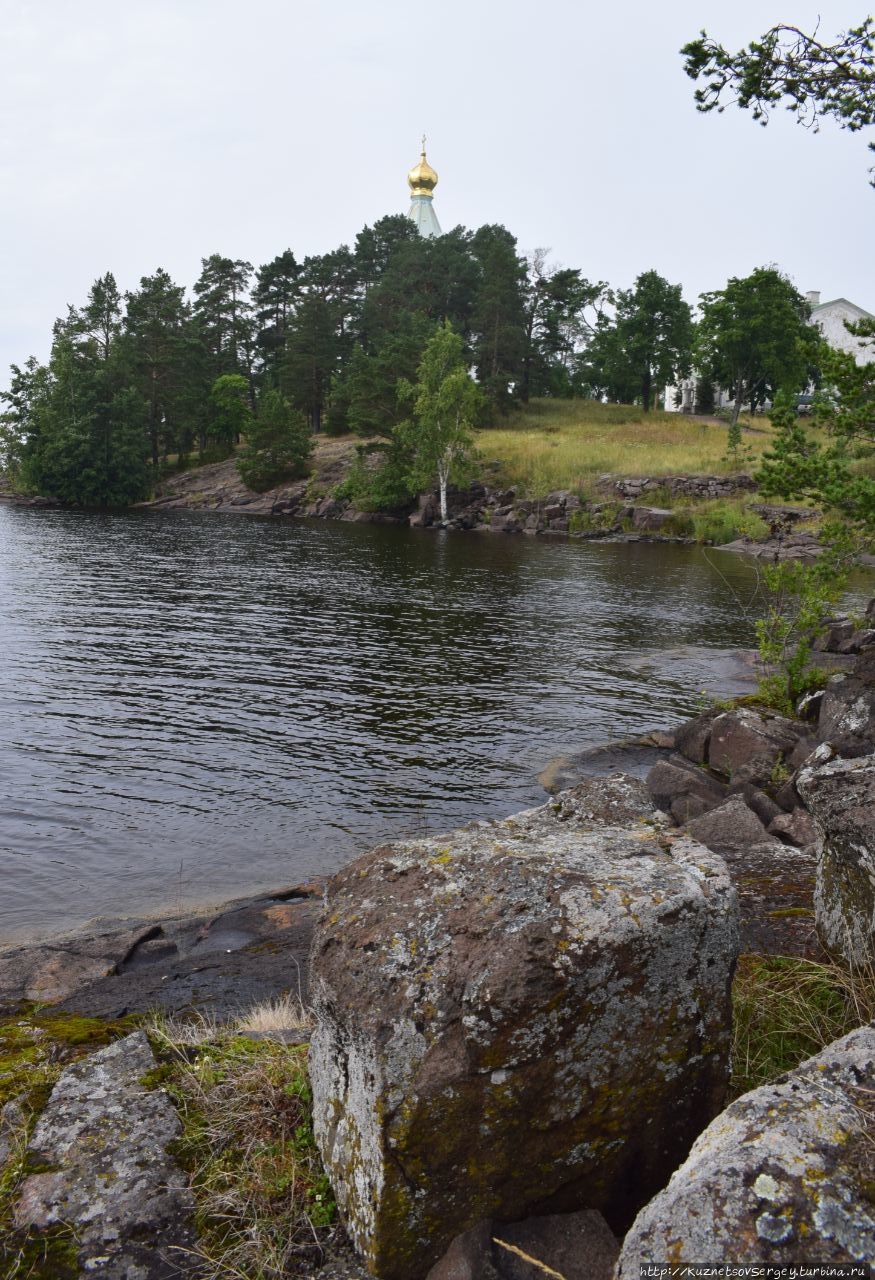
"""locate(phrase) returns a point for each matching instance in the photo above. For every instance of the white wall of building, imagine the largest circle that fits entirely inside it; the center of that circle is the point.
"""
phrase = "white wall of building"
(830, 319)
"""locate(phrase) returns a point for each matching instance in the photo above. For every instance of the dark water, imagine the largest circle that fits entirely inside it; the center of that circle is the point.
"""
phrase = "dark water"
(193, 707)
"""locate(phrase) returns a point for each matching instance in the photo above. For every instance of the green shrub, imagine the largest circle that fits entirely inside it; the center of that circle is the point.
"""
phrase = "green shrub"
(278, 447)
(587, 521)
(797, 599)
(377, 480)
(723, 521)
(680, 524)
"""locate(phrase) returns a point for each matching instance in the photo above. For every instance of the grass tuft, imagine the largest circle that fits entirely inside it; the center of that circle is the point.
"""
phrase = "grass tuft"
(785, 1009)
(265, 1207)
(284, 1013)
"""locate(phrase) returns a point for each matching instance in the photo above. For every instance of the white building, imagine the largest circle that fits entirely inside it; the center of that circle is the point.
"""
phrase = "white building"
(830, 319)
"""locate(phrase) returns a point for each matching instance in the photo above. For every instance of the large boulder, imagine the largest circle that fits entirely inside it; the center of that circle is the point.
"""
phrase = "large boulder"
(742, 735)
(840, 794)
(683, 790)
(518, 1018)
(847, 716)
(780, 1178)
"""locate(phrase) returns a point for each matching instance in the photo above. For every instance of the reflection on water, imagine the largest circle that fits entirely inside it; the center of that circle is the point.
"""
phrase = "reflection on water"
(196, 706)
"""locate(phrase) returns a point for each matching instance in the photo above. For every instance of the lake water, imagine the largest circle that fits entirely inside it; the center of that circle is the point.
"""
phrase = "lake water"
(194, 707)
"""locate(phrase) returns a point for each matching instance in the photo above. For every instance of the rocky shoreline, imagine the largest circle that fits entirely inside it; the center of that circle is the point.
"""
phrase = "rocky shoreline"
(750, 833)
(622, 510)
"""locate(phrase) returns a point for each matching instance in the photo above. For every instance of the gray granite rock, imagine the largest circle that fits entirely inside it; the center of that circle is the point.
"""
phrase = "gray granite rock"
(840, 794)
(617, 801)
(575, 1246)
(516, 1018)
(847, 715)
(742, 735)
(797, 828)
(103, 1138)
(730, 828)
(682, 789)
(778, 1178)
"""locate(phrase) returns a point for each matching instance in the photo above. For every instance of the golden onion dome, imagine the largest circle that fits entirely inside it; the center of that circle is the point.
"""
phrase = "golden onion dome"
(422, 178)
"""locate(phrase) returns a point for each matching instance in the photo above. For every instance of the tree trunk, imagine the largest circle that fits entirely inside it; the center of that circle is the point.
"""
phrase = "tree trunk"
(739, 392)
(443, 477)
(153, 418)
(646, 382)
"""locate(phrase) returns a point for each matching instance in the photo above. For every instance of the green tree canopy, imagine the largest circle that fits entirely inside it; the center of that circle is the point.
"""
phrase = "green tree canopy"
(648, 344)
(223, 313)
(230, 414)
(562, 311)
(82, 427)
(320, 335)
(445, 403)
(755, 336)
(166, 363)
(277, 289)
(813, 79)
(498, 319)
(278, 446)
(837, 471)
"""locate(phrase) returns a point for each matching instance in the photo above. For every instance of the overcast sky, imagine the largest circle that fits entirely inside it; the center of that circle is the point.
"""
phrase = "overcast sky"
(137, 134)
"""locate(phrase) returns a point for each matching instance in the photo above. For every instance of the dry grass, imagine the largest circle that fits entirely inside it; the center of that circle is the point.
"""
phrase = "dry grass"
(284, 1013)
(264, 1206)
(786, 1009)
(567, 444)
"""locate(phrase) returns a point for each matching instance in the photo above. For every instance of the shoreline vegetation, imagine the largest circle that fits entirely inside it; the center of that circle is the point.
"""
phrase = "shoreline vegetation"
(596, 454)
(601, 458)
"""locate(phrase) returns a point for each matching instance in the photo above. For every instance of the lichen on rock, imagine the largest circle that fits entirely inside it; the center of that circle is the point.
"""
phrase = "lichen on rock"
(840, 794)
(106, 1173)
(520, 1017)
(777, 1177)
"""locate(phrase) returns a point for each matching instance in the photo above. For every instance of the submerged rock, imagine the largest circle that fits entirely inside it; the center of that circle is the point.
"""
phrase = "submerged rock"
(778, 1178)
(520, 1017)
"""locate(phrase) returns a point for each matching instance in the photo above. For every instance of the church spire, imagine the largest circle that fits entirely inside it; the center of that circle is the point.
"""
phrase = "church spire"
(422, 180)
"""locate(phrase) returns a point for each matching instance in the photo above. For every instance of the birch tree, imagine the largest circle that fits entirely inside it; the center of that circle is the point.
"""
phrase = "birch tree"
(445, 403)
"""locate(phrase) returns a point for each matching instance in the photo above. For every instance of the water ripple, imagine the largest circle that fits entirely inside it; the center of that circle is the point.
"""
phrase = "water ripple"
(193, 707)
